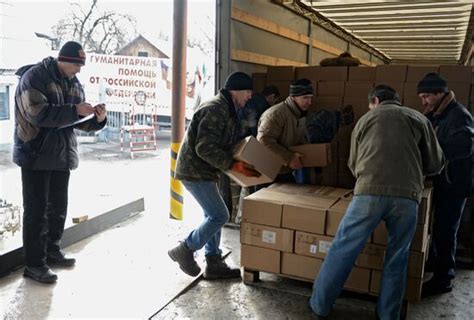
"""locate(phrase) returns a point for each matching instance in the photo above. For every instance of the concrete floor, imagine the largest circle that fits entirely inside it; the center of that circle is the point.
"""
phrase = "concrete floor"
(124, 272)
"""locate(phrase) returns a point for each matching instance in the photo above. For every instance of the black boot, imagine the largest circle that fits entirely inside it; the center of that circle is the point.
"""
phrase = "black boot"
(58, 259)
(185, 258)
(436, 286)
(216, 268)
(41, 274)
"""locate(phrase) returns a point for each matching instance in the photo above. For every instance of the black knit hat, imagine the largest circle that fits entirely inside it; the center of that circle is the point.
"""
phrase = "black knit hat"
(301, 87)
(238, 81)
(72, 52)
(432, 83)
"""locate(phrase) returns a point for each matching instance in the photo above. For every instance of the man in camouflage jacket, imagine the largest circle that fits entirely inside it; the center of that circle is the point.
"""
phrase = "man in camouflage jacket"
(206, 151)
(48, 100)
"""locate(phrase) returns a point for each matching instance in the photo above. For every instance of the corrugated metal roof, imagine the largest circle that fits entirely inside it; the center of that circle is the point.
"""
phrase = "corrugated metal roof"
(405, 30)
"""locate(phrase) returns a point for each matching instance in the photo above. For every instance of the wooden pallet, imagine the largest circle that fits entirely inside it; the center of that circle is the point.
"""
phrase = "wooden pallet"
(251, 276)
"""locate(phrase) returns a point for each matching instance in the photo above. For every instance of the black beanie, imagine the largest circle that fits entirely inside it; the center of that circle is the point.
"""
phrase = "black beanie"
(432, 83)
(301, 87)
(238, 81)
(72, 52)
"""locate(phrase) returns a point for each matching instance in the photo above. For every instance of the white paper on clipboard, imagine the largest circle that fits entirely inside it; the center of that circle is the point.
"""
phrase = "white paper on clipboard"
(86, 118)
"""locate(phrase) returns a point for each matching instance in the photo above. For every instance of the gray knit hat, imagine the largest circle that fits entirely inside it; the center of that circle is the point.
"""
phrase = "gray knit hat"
(301, 87)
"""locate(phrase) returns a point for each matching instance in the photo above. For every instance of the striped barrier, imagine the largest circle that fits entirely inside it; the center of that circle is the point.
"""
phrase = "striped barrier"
(176, 187)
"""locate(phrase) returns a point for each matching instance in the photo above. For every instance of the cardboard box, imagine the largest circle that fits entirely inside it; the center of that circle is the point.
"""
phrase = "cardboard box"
(259, 80)
(416, 73)
(260, 259)
(314, 154)
(306, 213)
(362, 74)
(413, 103)
(372, 257)
(338, 73)
(409, 91)
(280, 73)
(334, 216)
(294, 188)
(251, 151)
(330, 88)
(416, 264)
(424, 208)
(307, 72)
(358, 280)
(412, 291)
(312, 245)
(456, 74)
(384, 73)
(263, 207)
(303, 267)
(267, 237)
(462, 91)
(358, 89)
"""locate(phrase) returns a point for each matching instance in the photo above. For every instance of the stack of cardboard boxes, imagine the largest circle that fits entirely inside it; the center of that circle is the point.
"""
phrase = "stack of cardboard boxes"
(339, 86)
(288, 229)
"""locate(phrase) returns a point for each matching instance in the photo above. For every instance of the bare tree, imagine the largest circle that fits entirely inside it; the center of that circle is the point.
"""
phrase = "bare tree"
(97, 30)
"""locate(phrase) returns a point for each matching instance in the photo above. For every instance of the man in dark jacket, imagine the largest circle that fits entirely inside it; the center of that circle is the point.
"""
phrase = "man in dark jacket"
(453, 125)
(207, 150)
(392, 148)
(254, 108)
(49, 99)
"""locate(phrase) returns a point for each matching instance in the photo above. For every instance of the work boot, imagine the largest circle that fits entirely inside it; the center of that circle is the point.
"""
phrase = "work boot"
(41, 274)
(216, 268)
(185, 258)
(58, 259)
(435, 286)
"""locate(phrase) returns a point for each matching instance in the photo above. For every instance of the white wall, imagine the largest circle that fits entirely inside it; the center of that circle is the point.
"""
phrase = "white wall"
(7, 126)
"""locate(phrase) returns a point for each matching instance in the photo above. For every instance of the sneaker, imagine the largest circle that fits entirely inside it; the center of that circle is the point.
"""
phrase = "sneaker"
(216, 268)
(434, 286)
(41, 274)
(58, 259)
(185, 258)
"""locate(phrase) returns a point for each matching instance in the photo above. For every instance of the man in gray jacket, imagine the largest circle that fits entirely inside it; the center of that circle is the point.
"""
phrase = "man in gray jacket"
(392, 148)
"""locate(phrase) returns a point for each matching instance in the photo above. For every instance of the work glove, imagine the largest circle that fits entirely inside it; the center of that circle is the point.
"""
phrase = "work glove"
(345, 115)
(245, 169)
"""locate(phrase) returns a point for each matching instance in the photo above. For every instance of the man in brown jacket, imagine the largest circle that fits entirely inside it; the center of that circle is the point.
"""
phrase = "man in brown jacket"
(283, 126)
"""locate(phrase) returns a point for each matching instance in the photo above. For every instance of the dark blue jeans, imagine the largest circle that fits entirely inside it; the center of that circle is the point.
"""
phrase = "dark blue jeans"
(216, 214)
(362, 216)
(447, 217)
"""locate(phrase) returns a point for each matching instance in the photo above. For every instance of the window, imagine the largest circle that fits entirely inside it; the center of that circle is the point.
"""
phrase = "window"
(142, 54)
(4, 103)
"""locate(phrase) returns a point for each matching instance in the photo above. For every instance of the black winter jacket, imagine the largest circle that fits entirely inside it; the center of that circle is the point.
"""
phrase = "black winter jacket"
(454, 131)
(45, 101)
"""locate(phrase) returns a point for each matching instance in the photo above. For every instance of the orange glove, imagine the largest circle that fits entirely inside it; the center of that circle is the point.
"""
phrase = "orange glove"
(244, 169)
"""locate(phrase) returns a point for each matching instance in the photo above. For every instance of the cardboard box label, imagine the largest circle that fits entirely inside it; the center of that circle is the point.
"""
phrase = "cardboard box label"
(313, 249)
(324, 246)
(269, 236)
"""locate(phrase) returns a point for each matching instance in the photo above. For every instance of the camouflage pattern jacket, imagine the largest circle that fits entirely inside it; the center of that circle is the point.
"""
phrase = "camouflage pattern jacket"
(45, 101)
(210, 138)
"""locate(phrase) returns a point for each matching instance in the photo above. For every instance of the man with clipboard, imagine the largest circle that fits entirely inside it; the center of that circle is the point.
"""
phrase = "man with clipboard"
(49, 104)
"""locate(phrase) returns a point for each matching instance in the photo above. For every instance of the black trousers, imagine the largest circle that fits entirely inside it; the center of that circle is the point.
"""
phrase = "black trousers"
(447, 217)
(45, 199)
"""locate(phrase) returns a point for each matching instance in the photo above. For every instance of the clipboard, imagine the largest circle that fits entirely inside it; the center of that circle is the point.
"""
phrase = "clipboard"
(86, 118)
